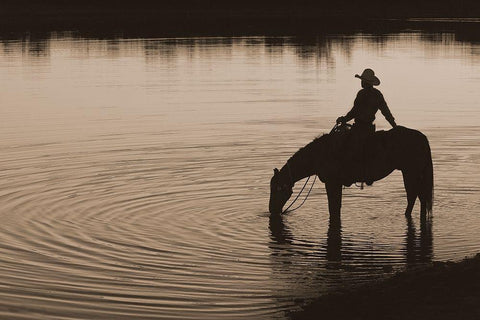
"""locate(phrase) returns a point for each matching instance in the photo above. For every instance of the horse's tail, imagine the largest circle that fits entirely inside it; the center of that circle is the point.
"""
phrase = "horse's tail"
(426, 184)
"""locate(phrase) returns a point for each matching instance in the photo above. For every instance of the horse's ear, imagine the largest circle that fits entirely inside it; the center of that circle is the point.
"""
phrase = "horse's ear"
(275, 171)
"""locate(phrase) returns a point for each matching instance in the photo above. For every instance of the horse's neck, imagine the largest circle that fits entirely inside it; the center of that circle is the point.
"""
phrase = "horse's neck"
(297, 168)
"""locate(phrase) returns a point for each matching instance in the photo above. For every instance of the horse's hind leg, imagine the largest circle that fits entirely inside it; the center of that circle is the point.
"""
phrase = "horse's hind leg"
(411, 187)
(423, 205)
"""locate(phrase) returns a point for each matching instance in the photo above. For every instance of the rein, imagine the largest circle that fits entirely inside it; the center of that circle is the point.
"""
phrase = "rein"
(298, 195)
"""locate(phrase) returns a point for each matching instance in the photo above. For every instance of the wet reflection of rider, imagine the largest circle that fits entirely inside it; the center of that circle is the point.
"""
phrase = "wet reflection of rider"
(368, 101)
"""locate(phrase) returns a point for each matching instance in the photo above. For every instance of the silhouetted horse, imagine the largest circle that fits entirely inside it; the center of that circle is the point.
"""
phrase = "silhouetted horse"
(399, 148)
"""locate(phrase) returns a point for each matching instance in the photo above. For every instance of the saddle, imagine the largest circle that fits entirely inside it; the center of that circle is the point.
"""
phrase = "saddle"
(353, 152)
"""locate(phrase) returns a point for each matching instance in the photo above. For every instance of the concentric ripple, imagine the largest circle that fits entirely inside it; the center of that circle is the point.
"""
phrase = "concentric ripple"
(130, 232)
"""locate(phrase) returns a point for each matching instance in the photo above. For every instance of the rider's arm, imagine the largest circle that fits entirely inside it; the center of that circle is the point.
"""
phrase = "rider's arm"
(350, 115)
(386, 111)
(354, 111)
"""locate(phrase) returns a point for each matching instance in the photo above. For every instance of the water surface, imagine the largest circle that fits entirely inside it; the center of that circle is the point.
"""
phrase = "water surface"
(134, 172)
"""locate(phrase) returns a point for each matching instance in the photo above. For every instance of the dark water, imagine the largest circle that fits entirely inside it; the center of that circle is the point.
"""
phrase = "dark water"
(134, 172)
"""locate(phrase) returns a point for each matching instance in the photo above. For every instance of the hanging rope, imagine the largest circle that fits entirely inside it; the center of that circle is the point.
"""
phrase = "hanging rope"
(298, 195)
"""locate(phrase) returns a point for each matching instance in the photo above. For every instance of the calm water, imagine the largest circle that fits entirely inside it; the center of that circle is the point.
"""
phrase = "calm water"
(134, 172)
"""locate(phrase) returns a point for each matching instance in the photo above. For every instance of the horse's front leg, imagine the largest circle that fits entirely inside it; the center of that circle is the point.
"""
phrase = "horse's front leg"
(334, 194)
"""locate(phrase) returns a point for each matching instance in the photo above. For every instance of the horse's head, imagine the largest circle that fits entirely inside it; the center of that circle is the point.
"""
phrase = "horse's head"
(280, 192)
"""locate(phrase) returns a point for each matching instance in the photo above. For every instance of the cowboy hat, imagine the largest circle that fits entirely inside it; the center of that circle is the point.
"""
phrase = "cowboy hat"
(369, 76)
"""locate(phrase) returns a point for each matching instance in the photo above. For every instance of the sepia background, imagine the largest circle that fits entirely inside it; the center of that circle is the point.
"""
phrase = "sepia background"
(135, 170)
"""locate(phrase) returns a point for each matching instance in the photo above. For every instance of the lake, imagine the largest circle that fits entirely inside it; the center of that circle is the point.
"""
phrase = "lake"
(135, 171)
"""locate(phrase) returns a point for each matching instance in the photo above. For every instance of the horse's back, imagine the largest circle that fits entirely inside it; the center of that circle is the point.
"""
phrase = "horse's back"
(407, 147)
(408, 137)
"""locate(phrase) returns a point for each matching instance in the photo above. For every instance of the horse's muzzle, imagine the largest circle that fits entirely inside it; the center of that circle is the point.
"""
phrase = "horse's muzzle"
(273, 208)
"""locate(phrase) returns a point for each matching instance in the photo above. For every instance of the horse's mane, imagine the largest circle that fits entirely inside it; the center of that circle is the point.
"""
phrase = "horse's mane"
(312, 148)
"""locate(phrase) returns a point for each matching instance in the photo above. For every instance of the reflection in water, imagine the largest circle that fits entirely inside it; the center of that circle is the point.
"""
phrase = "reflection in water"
(35, 48)
(280, 234)
(353, 261)
(419, 248)
(338, 261)
(319, 48)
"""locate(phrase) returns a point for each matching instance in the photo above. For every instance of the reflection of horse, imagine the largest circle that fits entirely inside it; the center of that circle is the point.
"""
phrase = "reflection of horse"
(399, 148)
(419, 248)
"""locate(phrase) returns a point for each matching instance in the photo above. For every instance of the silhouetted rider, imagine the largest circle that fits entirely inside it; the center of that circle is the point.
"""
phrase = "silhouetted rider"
(368, 101)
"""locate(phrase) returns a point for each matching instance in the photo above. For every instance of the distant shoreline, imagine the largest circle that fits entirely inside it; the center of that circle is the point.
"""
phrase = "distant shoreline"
(214, 16)
(443, 290)
(233, 28)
